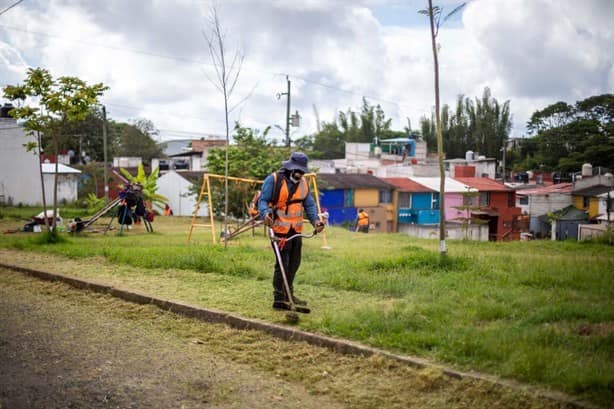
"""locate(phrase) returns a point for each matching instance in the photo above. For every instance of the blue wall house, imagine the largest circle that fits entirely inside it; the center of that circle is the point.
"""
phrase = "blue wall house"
(415, 203)
(343, 194)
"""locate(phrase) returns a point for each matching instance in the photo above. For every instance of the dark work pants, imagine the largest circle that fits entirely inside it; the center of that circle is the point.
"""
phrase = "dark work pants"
(291, 259)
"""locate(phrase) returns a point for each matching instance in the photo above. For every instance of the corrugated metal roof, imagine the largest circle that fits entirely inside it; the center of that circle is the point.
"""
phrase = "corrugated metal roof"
(407, 185)
(592, 191)
(194, 177)
(50, 168)
(544, 190)
(485, 184)
(451, 185)
(327, 181)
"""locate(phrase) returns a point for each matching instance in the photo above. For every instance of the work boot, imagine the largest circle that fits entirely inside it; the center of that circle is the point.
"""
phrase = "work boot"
(280, 302)
(298, 301)
(281, 305)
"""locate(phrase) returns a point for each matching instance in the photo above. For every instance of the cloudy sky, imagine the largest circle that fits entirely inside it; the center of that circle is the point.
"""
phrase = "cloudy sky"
(153, 55)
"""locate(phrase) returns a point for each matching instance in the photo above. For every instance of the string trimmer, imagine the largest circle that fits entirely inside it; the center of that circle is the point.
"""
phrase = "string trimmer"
(291, 315)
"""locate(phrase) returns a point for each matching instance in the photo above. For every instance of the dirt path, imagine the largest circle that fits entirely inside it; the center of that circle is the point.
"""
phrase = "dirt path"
(66, 348)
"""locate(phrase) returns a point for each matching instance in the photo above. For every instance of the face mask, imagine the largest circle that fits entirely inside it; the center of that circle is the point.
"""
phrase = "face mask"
(296, 176)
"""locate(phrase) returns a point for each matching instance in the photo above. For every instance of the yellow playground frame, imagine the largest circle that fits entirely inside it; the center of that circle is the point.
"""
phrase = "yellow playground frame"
(205, 193)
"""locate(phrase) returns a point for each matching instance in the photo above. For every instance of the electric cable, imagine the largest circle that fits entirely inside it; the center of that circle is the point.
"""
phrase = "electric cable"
(10, 7)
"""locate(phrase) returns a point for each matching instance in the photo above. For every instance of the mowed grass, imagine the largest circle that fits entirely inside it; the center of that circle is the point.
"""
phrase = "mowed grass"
(539, 312)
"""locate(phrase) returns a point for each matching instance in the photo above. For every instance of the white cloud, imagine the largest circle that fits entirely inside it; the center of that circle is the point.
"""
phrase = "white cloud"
(531, 52)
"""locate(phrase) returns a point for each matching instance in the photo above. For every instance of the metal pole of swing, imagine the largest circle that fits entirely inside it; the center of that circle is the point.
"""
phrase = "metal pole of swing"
(104, 148)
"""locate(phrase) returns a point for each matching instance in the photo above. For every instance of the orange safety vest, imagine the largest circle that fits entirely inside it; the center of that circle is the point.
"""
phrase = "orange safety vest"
(288, 211)
(363, 218)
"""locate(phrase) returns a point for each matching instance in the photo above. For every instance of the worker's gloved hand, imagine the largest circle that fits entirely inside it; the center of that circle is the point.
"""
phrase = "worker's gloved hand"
(268, 220)
(319, 226)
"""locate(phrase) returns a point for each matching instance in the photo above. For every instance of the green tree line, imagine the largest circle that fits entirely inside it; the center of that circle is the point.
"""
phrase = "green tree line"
(349, 126)
(481, 125)
(123, 139)
(565, 136)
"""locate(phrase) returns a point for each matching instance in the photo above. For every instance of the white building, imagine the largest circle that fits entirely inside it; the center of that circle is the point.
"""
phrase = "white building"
(176, 187)
(68, 182)
(19, 170)
(542, 200)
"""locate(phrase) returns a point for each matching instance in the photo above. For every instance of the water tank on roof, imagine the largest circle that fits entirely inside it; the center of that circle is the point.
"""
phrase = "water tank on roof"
(587, 170)
(469, 156)
(4, 110)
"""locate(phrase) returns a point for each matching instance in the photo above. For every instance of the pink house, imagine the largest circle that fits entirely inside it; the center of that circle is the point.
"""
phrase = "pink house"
(453, 194)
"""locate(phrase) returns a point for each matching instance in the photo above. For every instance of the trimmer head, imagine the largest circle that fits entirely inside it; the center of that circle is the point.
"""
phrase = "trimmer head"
(292, 317)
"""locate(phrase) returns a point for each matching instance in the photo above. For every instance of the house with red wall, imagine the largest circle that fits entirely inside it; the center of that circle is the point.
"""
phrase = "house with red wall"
(496, 204)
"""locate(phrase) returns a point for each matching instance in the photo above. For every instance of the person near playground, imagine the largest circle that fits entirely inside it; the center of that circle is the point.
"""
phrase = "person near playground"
(362, 224)
(167, 210)
(285, 193)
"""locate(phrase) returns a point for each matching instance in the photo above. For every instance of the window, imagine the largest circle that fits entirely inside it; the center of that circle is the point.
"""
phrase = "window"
(484, 198)
(586, 201)
(510, 199)
(434, 200)
(348, 198)
(467, 200)
(385, 196)
(405, 199)
(523, 200)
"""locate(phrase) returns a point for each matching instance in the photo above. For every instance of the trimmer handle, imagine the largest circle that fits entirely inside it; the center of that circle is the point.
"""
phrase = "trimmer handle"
(273, 237)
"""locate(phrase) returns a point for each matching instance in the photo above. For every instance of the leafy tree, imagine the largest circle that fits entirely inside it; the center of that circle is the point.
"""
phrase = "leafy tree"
(481, 125)
(135, 140)
(350, 126)
(567, 136)
(251, 157)
(61, 102)
(329, 143)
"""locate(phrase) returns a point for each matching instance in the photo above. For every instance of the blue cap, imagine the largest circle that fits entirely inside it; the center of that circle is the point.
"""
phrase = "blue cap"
(297, 161)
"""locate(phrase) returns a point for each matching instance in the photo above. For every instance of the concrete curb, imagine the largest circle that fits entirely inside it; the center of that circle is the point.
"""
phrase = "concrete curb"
(288, 333)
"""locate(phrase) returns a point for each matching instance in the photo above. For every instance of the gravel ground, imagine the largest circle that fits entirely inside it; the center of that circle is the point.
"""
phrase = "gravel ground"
(67, 348)
(61, 348)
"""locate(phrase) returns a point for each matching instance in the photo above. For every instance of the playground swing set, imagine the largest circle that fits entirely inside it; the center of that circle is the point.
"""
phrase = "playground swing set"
(130, 208)
(252, 208)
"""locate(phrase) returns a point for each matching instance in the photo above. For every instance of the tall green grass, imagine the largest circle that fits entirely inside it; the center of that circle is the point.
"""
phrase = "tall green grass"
(541, 312)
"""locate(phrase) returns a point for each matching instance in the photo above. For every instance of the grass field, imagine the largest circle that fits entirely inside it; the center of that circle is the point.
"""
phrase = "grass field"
(539, 312)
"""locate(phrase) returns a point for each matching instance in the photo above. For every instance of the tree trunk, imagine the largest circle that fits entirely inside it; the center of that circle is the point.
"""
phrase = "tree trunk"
(40, 170)
(55, 187)
(442, 175)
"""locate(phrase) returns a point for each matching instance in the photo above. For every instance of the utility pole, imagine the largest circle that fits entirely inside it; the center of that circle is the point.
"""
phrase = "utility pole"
(288, 114)
(104, 150)
(287, 94)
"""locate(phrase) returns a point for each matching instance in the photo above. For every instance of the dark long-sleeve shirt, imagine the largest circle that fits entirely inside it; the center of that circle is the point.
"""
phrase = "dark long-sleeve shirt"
(266, 195)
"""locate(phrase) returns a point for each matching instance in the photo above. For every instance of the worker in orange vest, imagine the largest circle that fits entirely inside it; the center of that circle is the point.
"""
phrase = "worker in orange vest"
(284, 195)
(362, 224)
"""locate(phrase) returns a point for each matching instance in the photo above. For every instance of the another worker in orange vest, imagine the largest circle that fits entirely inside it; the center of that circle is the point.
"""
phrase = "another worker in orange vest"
(362, 224)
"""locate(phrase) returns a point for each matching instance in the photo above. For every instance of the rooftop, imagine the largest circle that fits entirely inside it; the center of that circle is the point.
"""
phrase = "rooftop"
(330, 181)
(485, 184)
(408, 185)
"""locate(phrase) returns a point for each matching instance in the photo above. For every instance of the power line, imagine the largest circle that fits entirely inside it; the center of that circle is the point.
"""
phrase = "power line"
(10, 7)
(193, 61)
